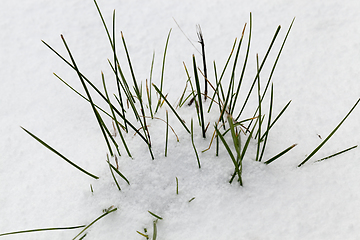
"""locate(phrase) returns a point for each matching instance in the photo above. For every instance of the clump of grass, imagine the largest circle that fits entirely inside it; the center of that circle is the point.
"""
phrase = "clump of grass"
(231, 105)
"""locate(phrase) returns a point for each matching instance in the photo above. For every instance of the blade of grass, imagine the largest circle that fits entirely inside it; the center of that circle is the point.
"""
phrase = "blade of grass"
(149, 89)
(167, 133)
(97, 115)
(42, 229)
(232, 80)
(277, 59)
(258, 72)
(81, 95)
(218, 83)
(116, 122)
(59, 154)
(335, 154)
(116, 72)
(259, 107)
(193, 144)
(275, 120)
(171, 107)
(154, 215)
(98, 91)
(177, 185)
(328, 137)
(202, 43)
(139, 96)
(235, 137)
(155, 230)
(119, 173)
(103, 215)
(112, 173)
(268, 125)
(231, 155)
(162, 70)
(280, 154)
(199, 97)
(244, 67)
(144, 235)
(244, 150)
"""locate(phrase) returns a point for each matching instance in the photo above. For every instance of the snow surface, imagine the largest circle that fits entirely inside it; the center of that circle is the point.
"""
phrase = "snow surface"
(318, 70)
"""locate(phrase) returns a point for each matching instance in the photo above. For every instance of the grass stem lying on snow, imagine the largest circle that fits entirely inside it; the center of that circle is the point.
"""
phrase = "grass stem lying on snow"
(42, 230)
(330, 135)
(335, 154)
(110, 210)
(59, 154)
(154, 215)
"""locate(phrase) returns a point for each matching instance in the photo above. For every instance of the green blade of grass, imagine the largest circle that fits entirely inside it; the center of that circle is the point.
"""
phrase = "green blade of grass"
(232, 79)
(235, 138)
(275, 120)
(118, 83)
(42, 229)
(97, 219)
(193, 144)
(116, 122)
(259, 107)
(258, 72)
(244, 150)
(157, 216)
(335, 154)
(167, 133)
(144, 235)
(197, 82)
(97, 115)
(244, 67)
(330, 135)
(149, 89)
(82, 96)
(177, 185)
(139, 96)
(59, 154)
(112, 173)
(277, 59)
(268, 125)
(163, 70)
(280, 154)
(218, 82)
(171, 107)
(119, 173)
(155, 230)
(230, 154)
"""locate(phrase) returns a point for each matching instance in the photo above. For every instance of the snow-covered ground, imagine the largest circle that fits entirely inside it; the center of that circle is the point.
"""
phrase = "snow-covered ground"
(318, 70)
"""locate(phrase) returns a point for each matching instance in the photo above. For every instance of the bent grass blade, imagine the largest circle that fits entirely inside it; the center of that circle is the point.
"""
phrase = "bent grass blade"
(59, 154)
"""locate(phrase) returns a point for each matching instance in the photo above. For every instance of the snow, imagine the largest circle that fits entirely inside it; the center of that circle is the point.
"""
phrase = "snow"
(318, 70)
